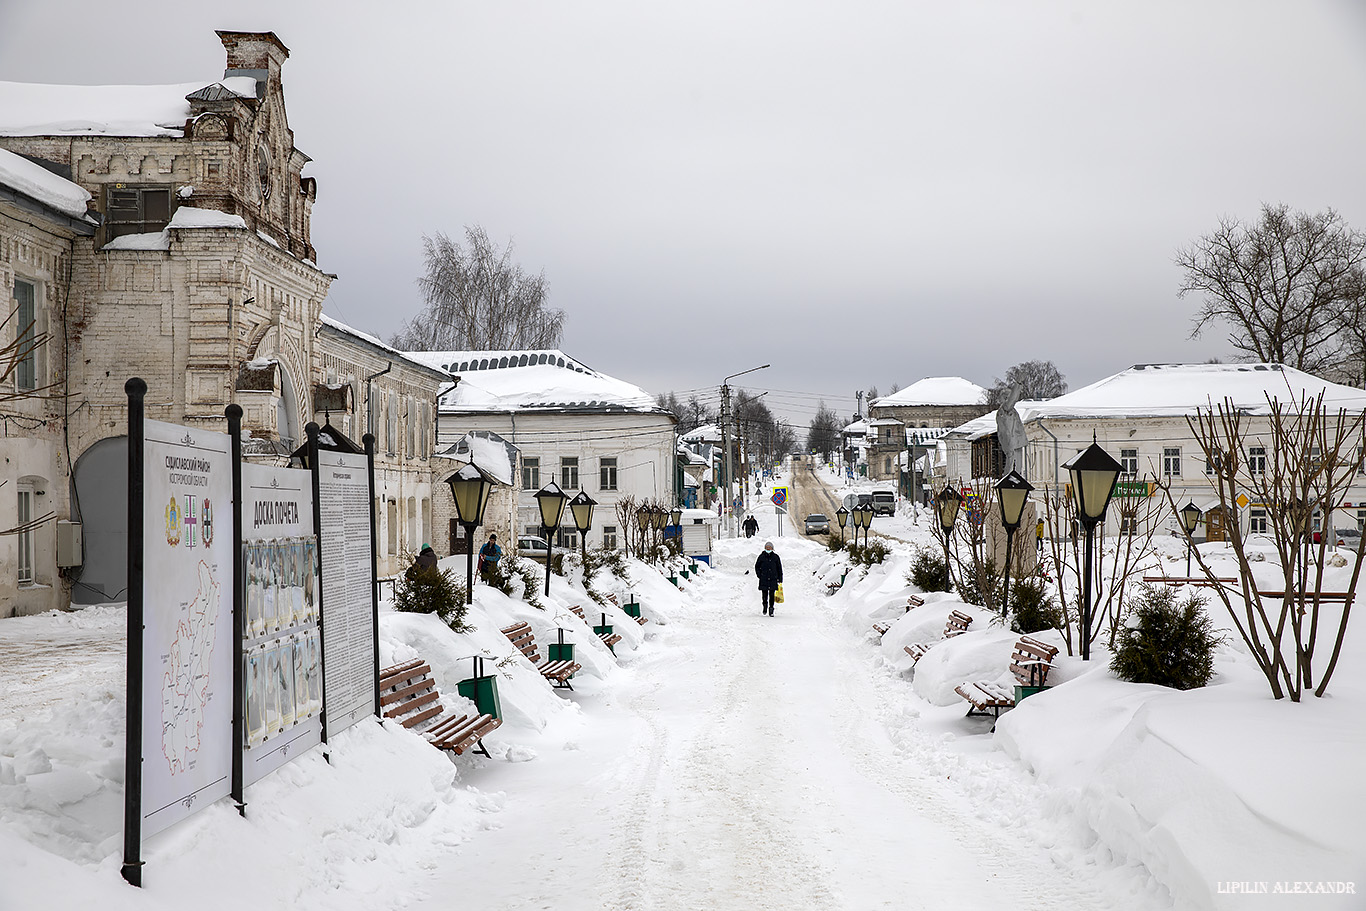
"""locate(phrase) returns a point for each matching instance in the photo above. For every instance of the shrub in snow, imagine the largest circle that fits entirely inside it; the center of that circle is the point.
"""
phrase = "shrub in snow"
(928, 570)
(431, 591)
(1167, 642)
(868, 554)
(980, 587)
(597, 560)
(1033, 608)
(835, 543)
(524, 570)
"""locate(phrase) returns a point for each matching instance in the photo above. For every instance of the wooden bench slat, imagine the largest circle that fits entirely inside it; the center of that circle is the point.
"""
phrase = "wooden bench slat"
(414, 702)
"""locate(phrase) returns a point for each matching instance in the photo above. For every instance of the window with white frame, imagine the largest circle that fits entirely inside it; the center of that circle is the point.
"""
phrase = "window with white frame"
(25, 335)
(1256, 460)
(607, 474)
(1171, 462)
(609, 536)
(531, 473)
(569, 472)
(1256, 519)
(25, 536)
(567, 538)
(1128, 460)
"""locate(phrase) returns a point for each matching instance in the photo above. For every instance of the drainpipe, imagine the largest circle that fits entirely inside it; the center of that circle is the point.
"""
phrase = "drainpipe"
(369, 405)
(436, 409)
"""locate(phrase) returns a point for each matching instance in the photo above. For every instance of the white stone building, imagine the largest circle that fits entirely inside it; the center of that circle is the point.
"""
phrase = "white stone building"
(361, 385)
(935, 402)
(569, 424)
(1139, 417)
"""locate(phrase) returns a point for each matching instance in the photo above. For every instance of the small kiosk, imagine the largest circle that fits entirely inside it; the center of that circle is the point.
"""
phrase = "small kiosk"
(699, 528)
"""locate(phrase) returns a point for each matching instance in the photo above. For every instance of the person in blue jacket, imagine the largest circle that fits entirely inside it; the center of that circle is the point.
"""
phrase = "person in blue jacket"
(769, 569)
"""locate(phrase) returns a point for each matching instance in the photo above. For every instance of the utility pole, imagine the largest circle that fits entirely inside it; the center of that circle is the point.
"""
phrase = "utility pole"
(725, 437)
(725, 441)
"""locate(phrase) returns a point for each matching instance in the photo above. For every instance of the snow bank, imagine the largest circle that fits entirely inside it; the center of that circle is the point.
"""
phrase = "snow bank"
(189, 217)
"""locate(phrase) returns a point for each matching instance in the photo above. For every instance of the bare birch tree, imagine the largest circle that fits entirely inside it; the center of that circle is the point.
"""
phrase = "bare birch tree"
(478, 299)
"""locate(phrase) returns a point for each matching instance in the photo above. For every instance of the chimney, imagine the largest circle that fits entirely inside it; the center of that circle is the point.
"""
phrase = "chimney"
(257, 54)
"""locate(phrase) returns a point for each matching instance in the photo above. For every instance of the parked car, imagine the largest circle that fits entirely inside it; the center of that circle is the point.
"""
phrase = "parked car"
(1349, 538)
(532, 547)
(884, 503)
(817, 524)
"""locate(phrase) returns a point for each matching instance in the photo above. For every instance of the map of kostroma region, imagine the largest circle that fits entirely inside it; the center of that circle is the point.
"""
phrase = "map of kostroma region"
(186, 679)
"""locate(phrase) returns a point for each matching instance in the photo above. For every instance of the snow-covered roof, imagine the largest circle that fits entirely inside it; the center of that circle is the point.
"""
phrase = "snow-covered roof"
(1175, 390)
(531, 380)
(936, 390)
(371, 340)
(30, 109)
(703, 434)
(856, 427)
(41, 185)
(488, 451)
(985, 425)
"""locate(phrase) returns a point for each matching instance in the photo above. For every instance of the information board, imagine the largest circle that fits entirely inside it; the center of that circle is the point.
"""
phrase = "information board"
(348, 608)
(187, 668)
(282, 651)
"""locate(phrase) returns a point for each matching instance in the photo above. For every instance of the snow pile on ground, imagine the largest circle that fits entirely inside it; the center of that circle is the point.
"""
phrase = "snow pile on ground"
(1210, 789)
(353, 832)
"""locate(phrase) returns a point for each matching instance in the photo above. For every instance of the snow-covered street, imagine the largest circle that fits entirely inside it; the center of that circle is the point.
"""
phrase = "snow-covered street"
(748, 764)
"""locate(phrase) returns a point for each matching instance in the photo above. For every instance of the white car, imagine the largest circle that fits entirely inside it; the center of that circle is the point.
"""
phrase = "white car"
(533, 547)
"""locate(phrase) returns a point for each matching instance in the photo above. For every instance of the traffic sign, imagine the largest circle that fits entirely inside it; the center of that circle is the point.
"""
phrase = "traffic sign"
(779, 496)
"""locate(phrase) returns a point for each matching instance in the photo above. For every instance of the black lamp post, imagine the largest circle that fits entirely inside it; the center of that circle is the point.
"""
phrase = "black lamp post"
(842, 517)
(643, 523)
(551, 499)
(581, 508)
(470, 487)
(1011, 493)
(867, 510)
(1094, 473)
(947, 504)
(1190, 518)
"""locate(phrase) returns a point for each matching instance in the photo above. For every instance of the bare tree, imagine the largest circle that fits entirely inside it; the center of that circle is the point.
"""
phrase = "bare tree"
(16, 359)
(1035, 380)
(1282, 285)
(478, 299)
(823, 436)
(1307, 459)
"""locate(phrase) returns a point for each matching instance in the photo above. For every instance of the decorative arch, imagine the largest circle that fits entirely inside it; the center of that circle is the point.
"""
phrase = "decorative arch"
(293, 379)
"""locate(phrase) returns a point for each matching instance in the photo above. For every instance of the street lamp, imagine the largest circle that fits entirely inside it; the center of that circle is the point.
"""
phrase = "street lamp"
(842, 517)
(551, 499)
(1094, 473)
(1190, 518)
(1011, 492)
(581, 508)
(643, 523)
(866, 510)
(470, 487)
(947, 504)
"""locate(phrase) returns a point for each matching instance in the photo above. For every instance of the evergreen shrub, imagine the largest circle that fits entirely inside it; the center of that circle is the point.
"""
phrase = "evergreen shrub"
(928, 570)
(1033, 609)
(432, 591)
(1167, 642)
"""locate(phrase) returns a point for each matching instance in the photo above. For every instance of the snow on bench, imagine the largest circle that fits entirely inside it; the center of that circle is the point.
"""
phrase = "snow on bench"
(911, 603)
(1030, 663)
(408, 695)
(957, 625)
(557, 672)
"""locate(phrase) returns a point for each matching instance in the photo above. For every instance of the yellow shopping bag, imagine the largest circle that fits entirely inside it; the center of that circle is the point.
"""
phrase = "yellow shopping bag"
(778, 594)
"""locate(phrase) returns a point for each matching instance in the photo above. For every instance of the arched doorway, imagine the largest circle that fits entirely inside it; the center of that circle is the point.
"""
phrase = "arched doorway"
(100, 492)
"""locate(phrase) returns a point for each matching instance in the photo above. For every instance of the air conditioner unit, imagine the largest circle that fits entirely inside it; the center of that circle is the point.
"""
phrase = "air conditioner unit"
(68, 543)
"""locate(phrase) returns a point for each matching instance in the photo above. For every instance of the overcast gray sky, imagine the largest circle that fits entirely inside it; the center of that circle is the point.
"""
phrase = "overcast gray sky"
(856, 192)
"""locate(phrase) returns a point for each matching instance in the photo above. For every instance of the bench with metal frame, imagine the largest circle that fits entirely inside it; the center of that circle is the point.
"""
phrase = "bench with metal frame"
(408, 695)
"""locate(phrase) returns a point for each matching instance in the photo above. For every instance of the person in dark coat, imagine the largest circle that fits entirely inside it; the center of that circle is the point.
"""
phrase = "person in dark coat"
(751, 526)
(489, 555)
(769, 569)
(425, 561)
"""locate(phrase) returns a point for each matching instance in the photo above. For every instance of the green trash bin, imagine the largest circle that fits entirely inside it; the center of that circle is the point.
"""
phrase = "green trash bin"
(561, 651)
(632, 609)
(605, 629)
(673, 580)
(1021, 692)
(482, 690)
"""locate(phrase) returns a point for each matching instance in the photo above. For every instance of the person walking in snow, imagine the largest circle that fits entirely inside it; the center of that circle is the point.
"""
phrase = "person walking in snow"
(489, 555)
(751, 526)
(769, 569)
